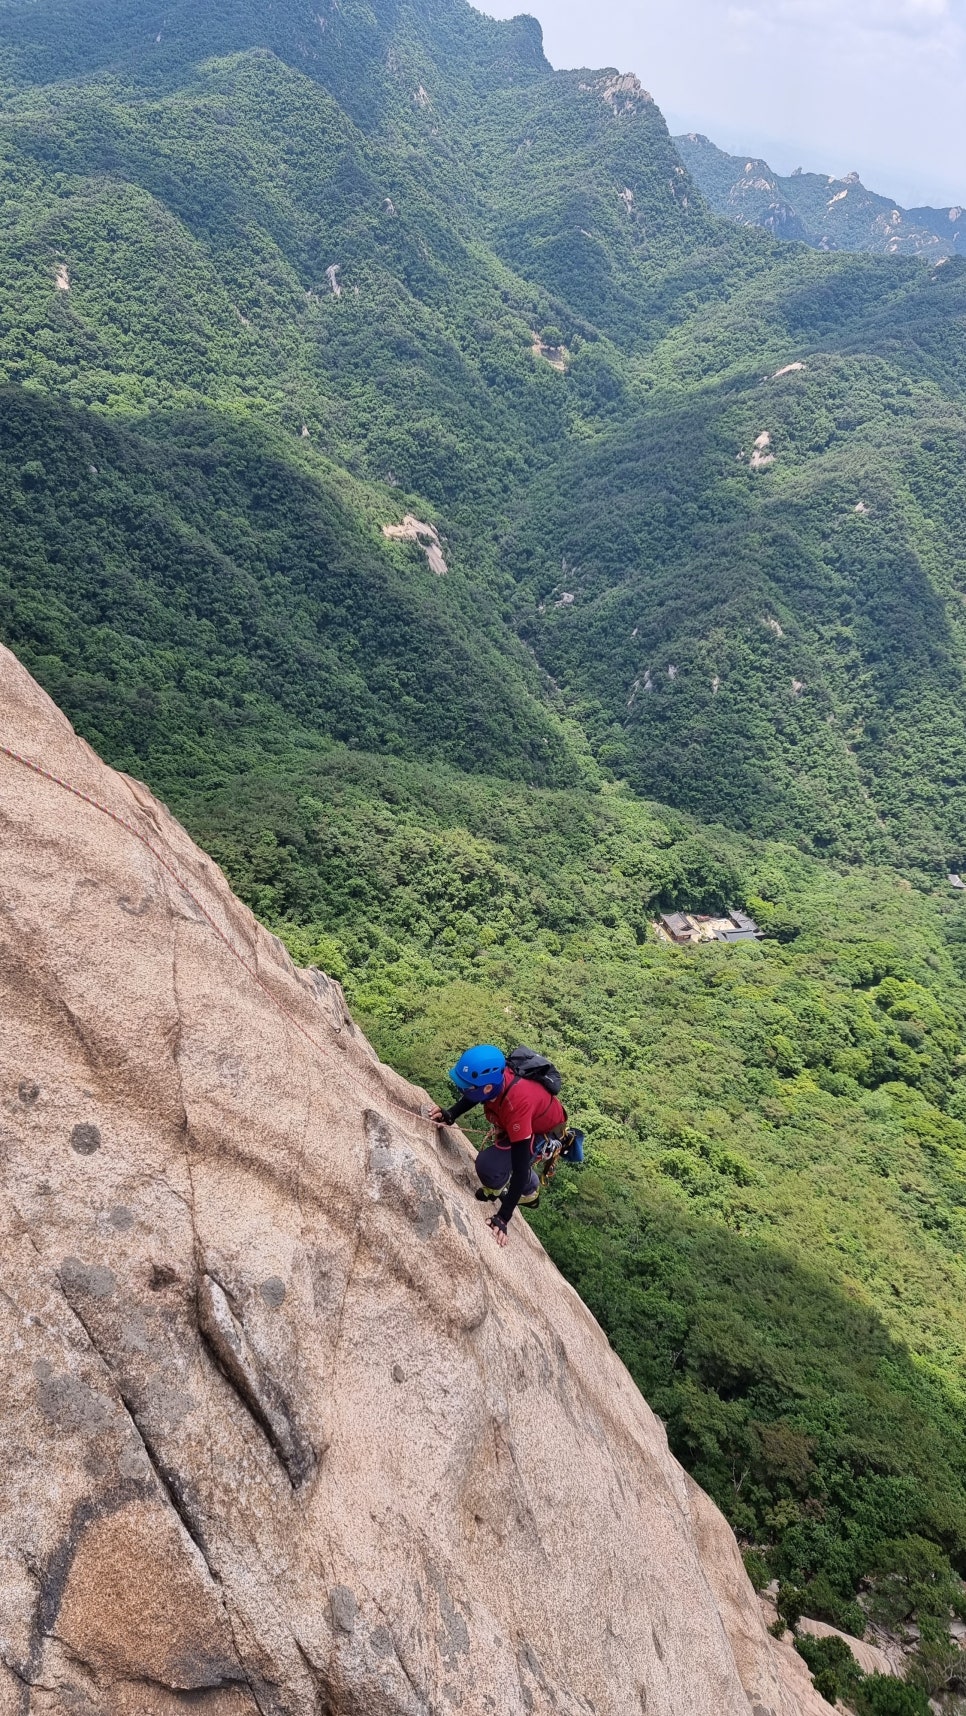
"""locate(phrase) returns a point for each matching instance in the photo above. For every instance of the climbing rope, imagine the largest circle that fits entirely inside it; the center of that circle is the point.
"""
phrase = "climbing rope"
(251, 970)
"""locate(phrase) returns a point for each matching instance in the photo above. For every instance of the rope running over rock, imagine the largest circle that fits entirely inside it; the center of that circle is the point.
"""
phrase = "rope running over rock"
(250, 970)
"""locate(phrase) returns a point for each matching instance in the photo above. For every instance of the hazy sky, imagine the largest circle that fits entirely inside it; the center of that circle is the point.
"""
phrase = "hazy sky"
(878, 86)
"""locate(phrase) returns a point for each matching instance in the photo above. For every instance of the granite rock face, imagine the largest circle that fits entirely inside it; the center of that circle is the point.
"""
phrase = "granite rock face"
(284, 1431)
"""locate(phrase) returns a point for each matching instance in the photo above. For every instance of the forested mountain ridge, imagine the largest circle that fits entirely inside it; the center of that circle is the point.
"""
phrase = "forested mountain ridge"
(814, 602)
(270, 286)
(384, 293)
(819, 209)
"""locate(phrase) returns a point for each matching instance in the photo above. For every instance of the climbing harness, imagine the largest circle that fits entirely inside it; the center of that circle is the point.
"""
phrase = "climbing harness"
(549, 1152)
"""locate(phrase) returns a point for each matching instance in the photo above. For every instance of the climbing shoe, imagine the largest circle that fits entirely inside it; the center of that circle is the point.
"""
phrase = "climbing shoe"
(486, 1196)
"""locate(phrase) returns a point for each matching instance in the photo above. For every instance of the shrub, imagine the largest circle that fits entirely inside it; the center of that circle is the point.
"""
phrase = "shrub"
(833, 1667)
(837, 1675)
(757, 1568)
(912, 1577)
(883, 1695)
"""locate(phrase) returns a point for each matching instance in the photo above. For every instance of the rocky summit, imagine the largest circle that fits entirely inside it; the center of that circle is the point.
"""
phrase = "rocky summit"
(284, 1431)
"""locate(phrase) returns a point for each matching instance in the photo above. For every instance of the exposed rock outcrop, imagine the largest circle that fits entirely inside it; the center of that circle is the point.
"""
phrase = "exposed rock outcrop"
(761, 455)
(871, 1658)
(413, 530)
(623, 93)
(284, 1431)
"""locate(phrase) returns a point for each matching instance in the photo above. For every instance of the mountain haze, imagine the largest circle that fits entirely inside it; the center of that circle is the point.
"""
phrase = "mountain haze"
(275, 279)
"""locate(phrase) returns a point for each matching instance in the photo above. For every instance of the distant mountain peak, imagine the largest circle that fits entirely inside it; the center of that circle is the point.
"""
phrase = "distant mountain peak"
(827, 211)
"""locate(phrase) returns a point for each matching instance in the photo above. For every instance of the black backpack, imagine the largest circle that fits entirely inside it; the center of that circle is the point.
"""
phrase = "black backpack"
(526, 1063)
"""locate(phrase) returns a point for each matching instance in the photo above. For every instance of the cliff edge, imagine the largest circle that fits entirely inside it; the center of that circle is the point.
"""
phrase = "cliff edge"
(284, 1432)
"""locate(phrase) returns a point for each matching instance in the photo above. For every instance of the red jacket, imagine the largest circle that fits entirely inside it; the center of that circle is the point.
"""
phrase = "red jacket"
(523, 1109)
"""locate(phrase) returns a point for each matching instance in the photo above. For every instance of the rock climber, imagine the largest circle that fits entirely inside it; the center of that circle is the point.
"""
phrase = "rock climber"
(519, 1097)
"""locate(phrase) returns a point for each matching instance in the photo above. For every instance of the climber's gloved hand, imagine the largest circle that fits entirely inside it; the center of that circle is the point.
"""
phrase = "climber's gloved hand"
(499, 1229)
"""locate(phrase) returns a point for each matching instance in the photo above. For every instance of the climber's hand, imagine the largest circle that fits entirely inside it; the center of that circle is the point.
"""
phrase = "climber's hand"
(435, 1113)
(498, 1226)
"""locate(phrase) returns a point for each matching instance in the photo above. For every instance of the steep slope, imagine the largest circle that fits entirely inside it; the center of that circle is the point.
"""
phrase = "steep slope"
(284, 1426)
(346, 296)
(198, 594)
(834, 214)
(756, 592)
(587, 196)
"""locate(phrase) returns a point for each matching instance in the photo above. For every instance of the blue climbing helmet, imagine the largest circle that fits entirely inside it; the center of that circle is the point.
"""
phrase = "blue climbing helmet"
(479, 1071)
